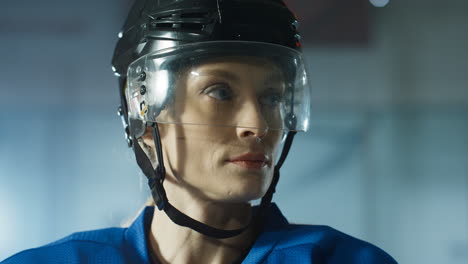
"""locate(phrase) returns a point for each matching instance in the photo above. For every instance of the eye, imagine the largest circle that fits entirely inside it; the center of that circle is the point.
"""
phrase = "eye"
(220, 92)
(271, 98)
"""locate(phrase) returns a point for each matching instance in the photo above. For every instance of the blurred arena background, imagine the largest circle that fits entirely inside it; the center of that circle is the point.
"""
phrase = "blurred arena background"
(385, 160)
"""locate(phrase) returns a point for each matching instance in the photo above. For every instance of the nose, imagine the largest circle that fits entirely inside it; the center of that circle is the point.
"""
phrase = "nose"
(253, 124)
(252, 133)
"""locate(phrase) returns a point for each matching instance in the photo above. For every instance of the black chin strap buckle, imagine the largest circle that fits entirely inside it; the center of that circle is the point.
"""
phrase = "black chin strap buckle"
(157, 189)
(158, 193)
(160, 173)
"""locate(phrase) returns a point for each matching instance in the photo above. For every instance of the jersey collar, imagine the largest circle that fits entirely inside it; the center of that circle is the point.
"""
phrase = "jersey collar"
(137, 235)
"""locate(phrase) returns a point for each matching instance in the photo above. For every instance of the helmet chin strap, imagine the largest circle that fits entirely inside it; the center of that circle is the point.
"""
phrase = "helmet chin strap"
(156, 179)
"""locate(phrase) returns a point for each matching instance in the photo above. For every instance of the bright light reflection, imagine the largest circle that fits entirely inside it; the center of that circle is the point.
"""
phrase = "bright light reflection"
(306, 124)
(159, 87)
(379, 3)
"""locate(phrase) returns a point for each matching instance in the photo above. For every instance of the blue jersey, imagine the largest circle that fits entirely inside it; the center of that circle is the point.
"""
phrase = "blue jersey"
(280, 242)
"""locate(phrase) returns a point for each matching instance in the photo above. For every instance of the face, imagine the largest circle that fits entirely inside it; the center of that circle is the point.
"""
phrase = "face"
(225, 128)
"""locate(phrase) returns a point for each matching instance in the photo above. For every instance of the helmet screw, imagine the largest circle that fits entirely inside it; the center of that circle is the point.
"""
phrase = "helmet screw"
(138, 70)
(297, 37)
(142, 77)
(142, 90)
(295, 24)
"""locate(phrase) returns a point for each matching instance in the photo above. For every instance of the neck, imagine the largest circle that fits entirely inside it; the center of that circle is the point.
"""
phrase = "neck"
(172, 243)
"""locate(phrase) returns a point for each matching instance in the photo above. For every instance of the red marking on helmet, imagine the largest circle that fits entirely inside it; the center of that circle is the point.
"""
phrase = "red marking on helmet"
(298, 44)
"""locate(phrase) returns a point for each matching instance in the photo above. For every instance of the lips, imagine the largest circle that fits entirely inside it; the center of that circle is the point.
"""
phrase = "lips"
(255, 161)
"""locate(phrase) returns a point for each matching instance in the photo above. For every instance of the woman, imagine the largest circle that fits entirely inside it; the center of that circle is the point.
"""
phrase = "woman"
(213, 93)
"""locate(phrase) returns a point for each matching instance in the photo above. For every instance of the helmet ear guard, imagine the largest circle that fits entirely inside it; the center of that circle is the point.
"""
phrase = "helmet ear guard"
(152, 26)
(137, 128)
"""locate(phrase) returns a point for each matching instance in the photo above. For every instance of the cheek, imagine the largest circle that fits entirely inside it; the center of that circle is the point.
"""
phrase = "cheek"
(202, 156)
(195, 152)
(273, 141)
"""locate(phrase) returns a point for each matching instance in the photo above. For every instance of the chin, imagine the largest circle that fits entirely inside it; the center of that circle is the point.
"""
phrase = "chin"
(246, 190)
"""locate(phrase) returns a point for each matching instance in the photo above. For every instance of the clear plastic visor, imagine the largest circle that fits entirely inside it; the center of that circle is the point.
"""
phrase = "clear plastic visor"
(227, 84)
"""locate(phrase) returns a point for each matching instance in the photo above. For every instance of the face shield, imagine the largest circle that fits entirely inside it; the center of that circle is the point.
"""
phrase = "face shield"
(220, 84)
